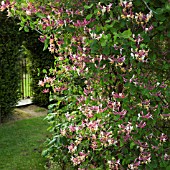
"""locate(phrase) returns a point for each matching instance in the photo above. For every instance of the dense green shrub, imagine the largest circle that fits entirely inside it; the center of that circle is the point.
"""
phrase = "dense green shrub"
(9, 64)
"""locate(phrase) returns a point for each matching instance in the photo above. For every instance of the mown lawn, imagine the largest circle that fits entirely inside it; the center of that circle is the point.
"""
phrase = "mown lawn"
(21, 144)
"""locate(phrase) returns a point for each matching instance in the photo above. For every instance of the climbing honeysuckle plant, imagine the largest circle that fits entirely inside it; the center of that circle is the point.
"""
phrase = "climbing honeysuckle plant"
(107, 100)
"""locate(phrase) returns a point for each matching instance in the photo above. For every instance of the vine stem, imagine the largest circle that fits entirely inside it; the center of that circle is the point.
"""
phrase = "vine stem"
(149, 7)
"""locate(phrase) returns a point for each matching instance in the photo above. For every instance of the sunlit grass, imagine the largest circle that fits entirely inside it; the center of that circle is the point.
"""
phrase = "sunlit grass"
(21, 144)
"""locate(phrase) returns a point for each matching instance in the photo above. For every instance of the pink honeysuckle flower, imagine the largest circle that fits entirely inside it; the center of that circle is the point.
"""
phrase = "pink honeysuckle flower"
(60, 22)
(122, 113)
(93, 125)
(116, 95)
(146, 102)
(41, 83)
(46, 91)
(114, 164)
(94, 145)
(141, 124)
(4, 5)
(127, 137)
(89, 115)
(93, 137)
(137, 163)
(72, 148)
(75, 161)
(134, 165)
(121, 59)
(49, 80)
(63, 132)
(166, 107)
(147, 116)
(87, 91)
(166, 157)
(81, 99)
(77, 12)
(52, 48)
(69, 117)
(59, 89)
(163, 137)
(28, 12)
(142, 144)
(163, 85)
(60, 42)
(158, 94)
(86, 22)
(111, 104)
(42, 38)
(82, 154)
(108, 8)
(145, 157)
(111, 141)
(95, 108)
(155, 147)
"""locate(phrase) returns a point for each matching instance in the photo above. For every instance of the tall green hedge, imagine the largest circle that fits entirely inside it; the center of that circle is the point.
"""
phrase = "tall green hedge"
(10, 42)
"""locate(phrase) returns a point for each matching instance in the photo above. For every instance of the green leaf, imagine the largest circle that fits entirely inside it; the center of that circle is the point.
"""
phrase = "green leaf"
(168, 168)
(44, 71)
(44, 153)
(88, 17)
(32, 25)
(70, 29)
(126, 34)
(26, 29)
(132, 144)
(88, 7)
(106, 50)
(46, 44)
(107, 21)
(168, 34)
(115, 37)
(40, 15)
(103, 43)
(20, 28)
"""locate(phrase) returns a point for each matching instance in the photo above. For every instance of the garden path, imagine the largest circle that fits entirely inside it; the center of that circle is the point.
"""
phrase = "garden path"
(25, 110)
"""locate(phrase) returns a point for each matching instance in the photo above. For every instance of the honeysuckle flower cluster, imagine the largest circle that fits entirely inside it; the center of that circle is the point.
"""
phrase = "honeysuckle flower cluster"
(106, 102)
(140, 18)
(4, 5)
(77, 159)
(103, 8)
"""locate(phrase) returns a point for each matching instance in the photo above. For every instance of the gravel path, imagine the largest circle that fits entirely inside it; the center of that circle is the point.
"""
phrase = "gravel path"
(26, 112)
(33, 110)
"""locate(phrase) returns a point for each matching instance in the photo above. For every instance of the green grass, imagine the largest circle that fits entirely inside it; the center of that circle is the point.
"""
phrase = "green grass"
(21, 144)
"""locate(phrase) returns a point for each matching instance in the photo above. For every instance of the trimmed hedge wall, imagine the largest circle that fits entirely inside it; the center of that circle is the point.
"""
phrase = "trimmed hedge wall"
(10, 41)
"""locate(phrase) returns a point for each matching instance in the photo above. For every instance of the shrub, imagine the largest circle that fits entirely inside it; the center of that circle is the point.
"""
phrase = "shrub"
(9, 65)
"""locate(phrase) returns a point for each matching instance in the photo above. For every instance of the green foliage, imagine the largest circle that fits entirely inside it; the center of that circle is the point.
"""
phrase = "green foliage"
(9, 64)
